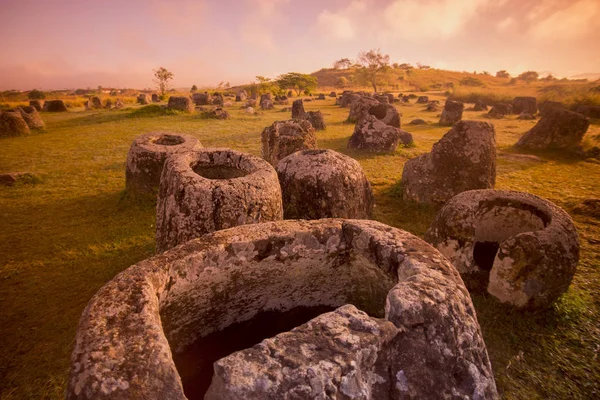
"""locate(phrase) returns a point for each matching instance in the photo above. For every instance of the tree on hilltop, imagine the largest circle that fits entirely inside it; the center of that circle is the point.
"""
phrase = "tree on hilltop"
(36, 95)
(298, 82)
(529, 76)
(502, 74)
(161, 78)
(194, 89)
(342, 63)
(372, 65)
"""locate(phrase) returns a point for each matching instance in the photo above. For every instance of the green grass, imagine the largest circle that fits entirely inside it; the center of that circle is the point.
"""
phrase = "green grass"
(64, 237)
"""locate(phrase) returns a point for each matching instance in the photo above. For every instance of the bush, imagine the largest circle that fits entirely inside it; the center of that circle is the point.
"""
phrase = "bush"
(342, 82)
(36, 95)
(470, 81)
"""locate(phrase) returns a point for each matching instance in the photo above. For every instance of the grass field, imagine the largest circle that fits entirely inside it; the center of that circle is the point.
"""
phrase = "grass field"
(63, 238)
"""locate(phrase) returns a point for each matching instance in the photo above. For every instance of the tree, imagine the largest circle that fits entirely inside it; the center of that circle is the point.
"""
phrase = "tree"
(194, 89)
(161, 78)
(529, 76)
(502, 74)
(342, 82)
(298, 82)
(36, 95)
(373, 64)
(342, 63)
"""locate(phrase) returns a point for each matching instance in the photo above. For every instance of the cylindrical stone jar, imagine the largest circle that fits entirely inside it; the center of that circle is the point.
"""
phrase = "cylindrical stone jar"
(208, 190)
(147, 156)
(319, 184)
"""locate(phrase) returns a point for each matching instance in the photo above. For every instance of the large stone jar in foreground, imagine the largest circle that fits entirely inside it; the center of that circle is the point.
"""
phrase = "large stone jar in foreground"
(211, 189)
(147, 156)
(519, 247)
(428, 345)
(324, 184)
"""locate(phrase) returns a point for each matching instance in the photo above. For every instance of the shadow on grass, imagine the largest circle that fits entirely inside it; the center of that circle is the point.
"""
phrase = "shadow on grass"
(154, 110)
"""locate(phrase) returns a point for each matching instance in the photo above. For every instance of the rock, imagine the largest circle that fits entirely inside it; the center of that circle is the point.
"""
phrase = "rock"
(347, 97)
(95, 102)
(218, 113)
(589, 111)
(413, 96)
(382, 99)
(55, 106)
(417, 121)
(390, 97)
(589, 207)
(240, 97)
(298, 109)
(316, 120)
(372, 134)
(206, 190)
(463, 159)
(266, 104)
(525, 104)
(12, 124)
(359, 108)
(250, 103)
(250, 110)
(333, 94)
(155, 98)
(319, 184)
(406, 99)
(12, 178)
(519, 247)
(432, 107)
(286, 137)
(386, 113)
(147, 156)
(37, 104)
(266, 96)
(119, 104)
(526, 117)
(108, 104)
(500, 110)
(144, 98)
(428, 346)
(321, 96)
(548, 106)
(480, 106)
(290, 93)
(452, 113)
(423, 100)
(218, 99)
(557, 129)
(32, 118)
(182, 103)
(202, 99)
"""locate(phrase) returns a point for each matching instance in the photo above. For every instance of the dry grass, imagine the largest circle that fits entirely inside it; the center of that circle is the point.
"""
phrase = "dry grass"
(63, 238)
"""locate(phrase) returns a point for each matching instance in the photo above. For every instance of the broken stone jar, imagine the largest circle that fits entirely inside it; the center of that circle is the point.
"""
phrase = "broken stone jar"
(232, 298)
(519, 247)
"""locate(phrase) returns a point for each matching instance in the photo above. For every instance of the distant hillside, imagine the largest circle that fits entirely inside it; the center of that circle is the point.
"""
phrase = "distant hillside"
(589, 76)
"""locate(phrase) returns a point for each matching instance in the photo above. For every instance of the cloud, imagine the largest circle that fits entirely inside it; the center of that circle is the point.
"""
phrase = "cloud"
(577, 20)
(335, 25)
(506, 24)
(258, 26)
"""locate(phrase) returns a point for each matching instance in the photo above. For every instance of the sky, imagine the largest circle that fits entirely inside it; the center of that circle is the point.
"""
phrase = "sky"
(55, 44)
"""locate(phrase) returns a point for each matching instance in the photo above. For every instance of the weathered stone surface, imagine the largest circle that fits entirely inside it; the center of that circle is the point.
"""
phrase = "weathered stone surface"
(283, 138)
(298, 109)
(406, 99)
(11, 178)
(144, 98)
(250, 103)
(432, 107)
(524, 104)
(155, 98)
(333, 94)
(519, 247)
(500, 110)
(266, 104)
(207, 190)
(371, 134)
(250, 110)
(95, 102)
(423, 100)
(147, 156)
(202, 99)
(132, 326)
(390, 97)
(32, 118)
(589, 111)
(108, 105)
(548, 106)
(217, 99)
(348, 97)
(386, 113)
(557, 129)
(182, 103)
(119, 104)
(217, 113)
(359, 108)
(480, 106)
(321, 96)
(55, 106)
(526, 117)
(463, 159)
(382, 98)
(452, 113)
(37, 104)
(417, 121)
(316, 120)
(12, 124)
(319, 184)
(241, 97)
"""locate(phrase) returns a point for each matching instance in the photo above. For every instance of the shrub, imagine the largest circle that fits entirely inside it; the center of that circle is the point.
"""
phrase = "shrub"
(36, 95)
(470, 81)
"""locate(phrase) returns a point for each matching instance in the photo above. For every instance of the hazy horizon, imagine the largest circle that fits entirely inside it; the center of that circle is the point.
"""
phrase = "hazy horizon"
(73, 44)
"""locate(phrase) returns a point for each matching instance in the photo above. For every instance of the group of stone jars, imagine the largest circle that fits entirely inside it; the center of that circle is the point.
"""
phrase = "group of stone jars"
(221, 262)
